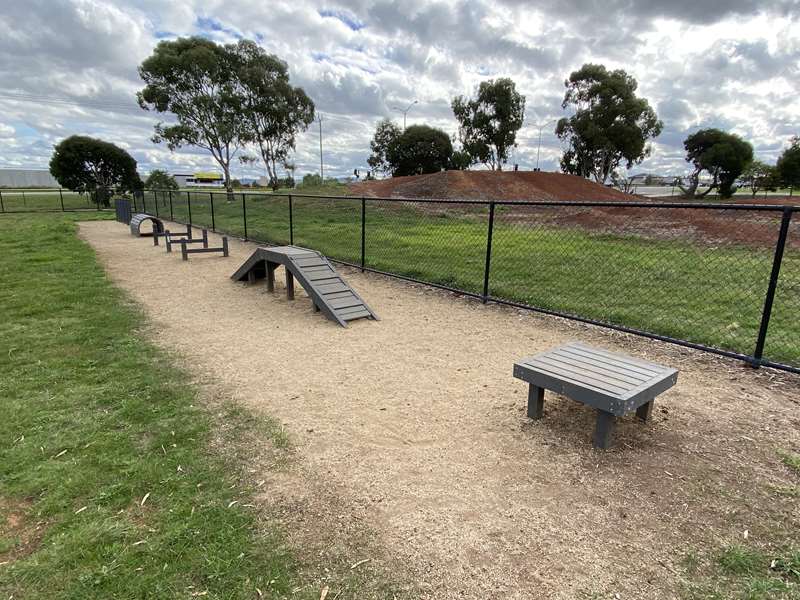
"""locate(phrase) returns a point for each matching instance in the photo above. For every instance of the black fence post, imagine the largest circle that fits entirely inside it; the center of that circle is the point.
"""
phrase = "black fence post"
(213, 222)
(489, 232)
(155, 200)
(171, 215)
(189, 206)
(773, 286)
(2, 206)
(61, 196)
(363, 231)
(244, 215)
(291, 222)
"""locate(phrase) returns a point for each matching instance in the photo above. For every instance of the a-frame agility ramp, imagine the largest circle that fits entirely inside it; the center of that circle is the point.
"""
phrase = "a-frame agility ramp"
(329, 292)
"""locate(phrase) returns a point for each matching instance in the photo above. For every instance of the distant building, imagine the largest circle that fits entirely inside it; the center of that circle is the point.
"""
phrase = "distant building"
(27, 178)
(201, 179)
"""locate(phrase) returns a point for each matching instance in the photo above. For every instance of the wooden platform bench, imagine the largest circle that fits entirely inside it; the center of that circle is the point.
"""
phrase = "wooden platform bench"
(614, 384)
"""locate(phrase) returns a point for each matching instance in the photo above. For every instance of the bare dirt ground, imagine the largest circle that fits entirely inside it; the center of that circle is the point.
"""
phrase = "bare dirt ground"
(414, 428)
(490, 185)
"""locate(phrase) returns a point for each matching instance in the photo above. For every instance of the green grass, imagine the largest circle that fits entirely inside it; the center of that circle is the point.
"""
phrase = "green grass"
(706, 293)
(103, 450)
(43, 200)
(744, 573)
(791, 460)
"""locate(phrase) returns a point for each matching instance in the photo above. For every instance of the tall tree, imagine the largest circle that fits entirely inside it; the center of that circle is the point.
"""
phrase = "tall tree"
(722, 155)
(421, 149)
(488, 123)
(159, 179)
(789, 165)
(194, 79)
(759, 176)
(383, 146)
(611, 124)
(274, 111)
(85, 164)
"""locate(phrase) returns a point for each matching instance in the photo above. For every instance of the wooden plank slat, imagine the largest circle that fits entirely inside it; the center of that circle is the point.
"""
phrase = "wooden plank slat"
(306, 263)
(359, 314)
(598, 367)
(345, 302)
(629, 360)
(332, 287)
(578, 371)
(576, 378)
(611, 364)
(560, 376)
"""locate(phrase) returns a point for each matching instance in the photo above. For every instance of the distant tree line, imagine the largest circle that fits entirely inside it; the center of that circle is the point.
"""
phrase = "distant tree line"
(237, 102)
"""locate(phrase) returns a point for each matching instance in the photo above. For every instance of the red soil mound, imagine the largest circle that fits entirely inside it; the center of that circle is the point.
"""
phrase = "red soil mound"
(491, 185)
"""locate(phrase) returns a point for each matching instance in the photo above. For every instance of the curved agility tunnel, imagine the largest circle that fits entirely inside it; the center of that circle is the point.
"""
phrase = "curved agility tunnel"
(327, 289)
(138, 219)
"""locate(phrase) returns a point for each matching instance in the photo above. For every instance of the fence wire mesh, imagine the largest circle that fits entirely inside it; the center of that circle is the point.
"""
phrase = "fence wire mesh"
(691, 273)
(434, 242)
(697, 276)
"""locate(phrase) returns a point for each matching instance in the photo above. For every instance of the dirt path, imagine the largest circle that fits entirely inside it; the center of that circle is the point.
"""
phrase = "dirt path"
(419, 424)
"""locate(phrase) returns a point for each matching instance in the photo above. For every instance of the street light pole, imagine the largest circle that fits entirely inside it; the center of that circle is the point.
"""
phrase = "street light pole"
(539, 146)
(405, 112)
(321, 168)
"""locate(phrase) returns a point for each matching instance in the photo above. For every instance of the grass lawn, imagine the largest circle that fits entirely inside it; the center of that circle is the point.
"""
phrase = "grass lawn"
(44, 200)
(108, 485)
(710, 294)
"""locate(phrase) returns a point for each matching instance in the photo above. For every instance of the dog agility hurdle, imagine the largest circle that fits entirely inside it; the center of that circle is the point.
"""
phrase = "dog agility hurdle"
(186, 251)
(203, 239)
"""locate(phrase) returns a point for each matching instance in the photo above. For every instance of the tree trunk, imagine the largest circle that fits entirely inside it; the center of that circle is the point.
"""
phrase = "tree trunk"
(228, 187)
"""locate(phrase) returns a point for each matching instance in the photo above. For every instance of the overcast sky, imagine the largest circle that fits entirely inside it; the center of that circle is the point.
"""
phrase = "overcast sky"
(69, 66)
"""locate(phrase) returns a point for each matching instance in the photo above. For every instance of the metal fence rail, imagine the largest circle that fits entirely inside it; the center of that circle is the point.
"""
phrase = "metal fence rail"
(723, 278)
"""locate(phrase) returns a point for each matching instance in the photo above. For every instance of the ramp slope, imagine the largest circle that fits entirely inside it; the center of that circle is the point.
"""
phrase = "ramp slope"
(329, 292)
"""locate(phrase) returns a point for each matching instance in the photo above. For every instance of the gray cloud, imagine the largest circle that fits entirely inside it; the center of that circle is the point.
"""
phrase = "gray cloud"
(712, 64)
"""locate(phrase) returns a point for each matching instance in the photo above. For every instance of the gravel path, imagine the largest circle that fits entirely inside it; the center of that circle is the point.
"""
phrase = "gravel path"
(419, 424)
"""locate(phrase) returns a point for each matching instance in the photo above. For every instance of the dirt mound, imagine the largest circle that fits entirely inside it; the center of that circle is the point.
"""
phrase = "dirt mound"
(491, 185)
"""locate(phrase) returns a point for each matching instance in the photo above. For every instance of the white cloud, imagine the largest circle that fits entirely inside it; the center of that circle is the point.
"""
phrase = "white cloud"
(72, 64)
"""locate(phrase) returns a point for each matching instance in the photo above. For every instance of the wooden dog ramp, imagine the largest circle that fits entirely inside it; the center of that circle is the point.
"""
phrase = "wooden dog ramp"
(329, 292)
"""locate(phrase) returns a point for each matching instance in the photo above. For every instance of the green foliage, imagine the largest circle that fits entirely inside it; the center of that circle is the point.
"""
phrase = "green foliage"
(195, 79)
(310, 180)
(85, 164)
(789, 164)
(723, 155)
(383, 146)
(421, 149)
(274, 111)
(792, 461)
(460, 161)
(611, 125)
(760, 176)
(488, 123)
(160, 180)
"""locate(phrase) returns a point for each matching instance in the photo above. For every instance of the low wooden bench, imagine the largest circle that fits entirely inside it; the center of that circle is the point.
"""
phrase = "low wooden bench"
(612, 383)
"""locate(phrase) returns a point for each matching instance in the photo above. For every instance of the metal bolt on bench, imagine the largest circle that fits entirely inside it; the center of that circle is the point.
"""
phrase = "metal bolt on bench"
(615, 384)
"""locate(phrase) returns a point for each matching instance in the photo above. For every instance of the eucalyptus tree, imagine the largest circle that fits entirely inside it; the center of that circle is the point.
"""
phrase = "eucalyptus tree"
(195, 80)
(610, 126)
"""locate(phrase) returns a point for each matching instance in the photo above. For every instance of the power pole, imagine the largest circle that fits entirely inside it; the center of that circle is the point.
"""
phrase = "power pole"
(321, 168)
(540, 126)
